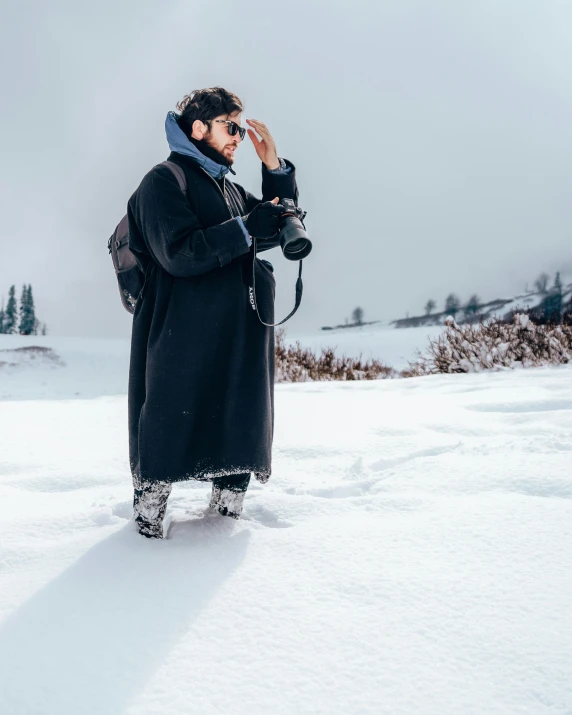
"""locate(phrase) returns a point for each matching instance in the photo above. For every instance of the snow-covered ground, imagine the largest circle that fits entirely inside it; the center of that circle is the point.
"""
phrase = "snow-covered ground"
(93, 367)
(411, 553)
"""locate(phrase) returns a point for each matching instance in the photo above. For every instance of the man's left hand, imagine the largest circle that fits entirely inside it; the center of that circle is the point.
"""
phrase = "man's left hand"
(265, 147)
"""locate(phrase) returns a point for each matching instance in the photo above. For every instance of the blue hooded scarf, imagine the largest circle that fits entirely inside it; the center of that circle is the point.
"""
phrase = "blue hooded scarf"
(179, 143)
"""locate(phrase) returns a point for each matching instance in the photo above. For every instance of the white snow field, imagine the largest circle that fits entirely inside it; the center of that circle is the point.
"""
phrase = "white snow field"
(411, 554)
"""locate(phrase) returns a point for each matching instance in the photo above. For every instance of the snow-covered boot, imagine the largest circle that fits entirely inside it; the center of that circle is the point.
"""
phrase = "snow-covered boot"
(149, 506)
(229, 502)
(228, 494)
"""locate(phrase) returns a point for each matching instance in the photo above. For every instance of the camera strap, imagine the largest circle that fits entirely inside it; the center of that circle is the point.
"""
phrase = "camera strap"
(252, 292)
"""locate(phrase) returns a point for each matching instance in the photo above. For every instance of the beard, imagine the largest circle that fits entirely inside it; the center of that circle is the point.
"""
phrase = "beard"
(206, 148)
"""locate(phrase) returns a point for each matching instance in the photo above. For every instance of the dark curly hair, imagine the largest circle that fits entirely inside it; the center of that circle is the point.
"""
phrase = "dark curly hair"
(205, 104)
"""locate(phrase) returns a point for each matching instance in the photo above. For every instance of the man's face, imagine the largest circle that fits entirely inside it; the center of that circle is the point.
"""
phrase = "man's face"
(219, 138)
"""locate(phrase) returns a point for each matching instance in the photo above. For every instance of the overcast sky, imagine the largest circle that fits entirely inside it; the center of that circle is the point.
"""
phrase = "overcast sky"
(432, 142)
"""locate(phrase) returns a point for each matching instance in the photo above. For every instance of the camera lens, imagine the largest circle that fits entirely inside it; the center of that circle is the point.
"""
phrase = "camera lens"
(294, 240)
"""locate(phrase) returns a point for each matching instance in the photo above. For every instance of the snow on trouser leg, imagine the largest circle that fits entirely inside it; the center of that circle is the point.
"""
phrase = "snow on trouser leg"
(228, 494)
(149, 506)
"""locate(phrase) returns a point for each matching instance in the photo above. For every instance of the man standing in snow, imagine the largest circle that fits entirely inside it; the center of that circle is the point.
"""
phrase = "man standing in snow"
(201, 377)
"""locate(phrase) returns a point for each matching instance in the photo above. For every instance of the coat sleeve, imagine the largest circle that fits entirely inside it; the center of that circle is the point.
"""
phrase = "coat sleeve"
(279, 184)
(274, 184)
(172, 231)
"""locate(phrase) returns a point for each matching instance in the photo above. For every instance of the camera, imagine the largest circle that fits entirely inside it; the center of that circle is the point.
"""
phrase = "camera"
(294, 240)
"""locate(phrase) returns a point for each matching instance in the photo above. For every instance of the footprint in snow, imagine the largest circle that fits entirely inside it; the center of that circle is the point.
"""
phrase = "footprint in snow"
(335, 491)
(384, 464)
(258, 514)
(124, 510)
(522, 407)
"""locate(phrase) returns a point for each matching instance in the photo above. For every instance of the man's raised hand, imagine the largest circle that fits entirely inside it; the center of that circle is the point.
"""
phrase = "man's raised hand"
(265, 147)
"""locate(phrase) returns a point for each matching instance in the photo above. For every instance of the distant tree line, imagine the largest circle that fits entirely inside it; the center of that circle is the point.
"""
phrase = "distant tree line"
(454, 305)
(20, 319)
(551, 308)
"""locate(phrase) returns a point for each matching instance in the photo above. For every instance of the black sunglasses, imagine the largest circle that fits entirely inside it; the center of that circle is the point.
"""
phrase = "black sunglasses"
(232, 127)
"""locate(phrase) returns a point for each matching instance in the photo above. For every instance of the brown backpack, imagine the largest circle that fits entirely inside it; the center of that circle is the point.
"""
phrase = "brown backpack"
(130, 277)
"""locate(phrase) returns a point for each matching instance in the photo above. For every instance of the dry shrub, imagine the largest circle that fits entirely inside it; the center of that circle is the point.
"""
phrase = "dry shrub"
(30, 355)
(493, 346)
(297, 364)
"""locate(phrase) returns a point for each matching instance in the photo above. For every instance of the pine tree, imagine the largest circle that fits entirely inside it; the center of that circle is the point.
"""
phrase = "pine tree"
(552, 304)
(27, 312)
(452, 305)
(22, 328)
(430, 306)
(557, 285)
(32, 308)
(473, 305)
(541, 283)
(357, 315)
(31, 311)
(2, 318)
(11, 313)
(28, 322)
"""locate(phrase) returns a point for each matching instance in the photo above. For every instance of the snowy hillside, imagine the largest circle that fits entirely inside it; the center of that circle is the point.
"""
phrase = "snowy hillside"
(71, 368)
(499, 308)
(410, 554)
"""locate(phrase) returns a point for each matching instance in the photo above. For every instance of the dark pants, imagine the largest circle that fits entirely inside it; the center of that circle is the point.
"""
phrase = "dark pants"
(236, 482)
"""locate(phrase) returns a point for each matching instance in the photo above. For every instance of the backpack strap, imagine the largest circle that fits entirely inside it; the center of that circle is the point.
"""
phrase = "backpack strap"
(179, 174)
(182, 181)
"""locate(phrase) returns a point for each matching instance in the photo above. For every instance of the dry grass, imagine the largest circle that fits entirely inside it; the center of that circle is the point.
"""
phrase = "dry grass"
(493, 345)
(30, 355)
(297, 364)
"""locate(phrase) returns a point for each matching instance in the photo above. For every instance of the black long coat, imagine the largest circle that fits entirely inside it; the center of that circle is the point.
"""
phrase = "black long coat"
(201, 377)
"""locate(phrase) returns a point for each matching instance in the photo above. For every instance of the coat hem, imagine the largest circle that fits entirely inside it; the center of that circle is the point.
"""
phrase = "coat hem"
(206, 475)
